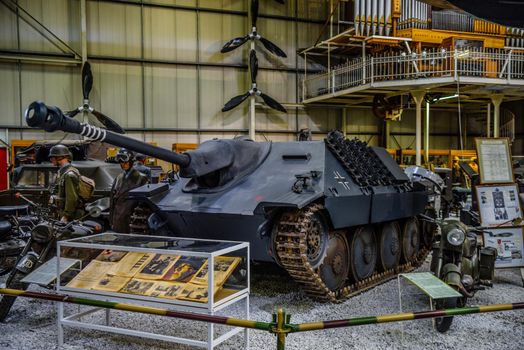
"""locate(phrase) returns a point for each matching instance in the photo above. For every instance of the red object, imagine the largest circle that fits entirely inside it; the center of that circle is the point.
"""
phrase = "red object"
(4, 176)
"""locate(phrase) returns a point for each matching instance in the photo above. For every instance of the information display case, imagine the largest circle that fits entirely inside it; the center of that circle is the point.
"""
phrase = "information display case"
(164, 272)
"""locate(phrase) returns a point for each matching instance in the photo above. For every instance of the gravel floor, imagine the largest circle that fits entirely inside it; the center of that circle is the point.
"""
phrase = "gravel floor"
(32, 323)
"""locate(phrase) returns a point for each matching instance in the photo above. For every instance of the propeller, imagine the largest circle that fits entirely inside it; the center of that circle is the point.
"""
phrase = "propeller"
(87, 85)
(254, 91)
(237, 42)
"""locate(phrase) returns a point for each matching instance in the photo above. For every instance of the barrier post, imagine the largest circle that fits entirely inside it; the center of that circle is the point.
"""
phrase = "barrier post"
(282, 329)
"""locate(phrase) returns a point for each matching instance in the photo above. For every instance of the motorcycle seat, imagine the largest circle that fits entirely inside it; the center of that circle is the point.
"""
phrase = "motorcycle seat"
(14, 210)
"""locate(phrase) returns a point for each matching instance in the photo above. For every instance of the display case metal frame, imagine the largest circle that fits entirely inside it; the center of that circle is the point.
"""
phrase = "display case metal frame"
(210, 308)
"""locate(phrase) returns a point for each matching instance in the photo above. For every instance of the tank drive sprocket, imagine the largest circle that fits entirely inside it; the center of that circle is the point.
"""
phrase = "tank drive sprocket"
(138, 221)
(330, 281)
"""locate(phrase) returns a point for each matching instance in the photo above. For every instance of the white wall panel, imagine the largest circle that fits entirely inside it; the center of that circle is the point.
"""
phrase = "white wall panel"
(170, 34)
(217, 29)
(171, 96)
(313, 9)
(191, 3)
(8, 32)
(61, 17)
(56, 85)
(117, 92)
(9, 96)
(113, 29)
(319, 119)
(282, 34)
(225, 4)
(219, 85)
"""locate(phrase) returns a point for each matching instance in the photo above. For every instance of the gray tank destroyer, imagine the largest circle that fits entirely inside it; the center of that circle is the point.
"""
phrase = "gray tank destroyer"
(338, 215)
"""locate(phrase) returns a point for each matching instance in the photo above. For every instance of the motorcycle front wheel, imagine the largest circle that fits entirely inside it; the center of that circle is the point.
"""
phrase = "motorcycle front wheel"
(7, 301)
(442, 324)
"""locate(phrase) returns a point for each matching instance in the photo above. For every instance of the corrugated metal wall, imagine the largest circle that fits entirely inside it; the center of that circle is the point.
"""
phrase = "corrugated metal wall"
(156, 64)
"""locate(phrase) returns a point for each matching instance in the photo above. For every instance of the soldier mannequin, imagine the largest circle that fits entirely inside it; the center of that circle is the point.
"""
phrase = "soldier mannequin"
(67, 196)
(139, 165)
(121, 206)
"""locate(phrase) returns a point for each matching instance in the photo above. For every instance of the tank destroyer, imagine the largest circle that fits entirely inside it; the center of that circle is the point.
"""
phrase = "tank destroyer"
(337, 215)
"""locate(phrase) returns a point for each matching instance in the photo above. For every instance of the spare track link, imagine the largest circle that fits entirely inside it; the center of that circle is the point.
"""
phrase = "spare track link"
(291, 248)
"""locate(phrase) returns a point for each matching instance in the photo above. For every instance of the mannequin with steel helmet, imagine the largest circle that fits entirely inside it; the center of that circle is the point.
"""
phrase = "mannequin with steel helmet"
(121, 205)
(67, 192)
(140, 166)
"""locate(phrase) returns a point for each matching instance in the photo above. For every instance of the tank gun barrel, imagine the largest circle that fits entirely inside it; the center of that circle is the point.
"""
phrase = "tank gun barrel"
(51, 119)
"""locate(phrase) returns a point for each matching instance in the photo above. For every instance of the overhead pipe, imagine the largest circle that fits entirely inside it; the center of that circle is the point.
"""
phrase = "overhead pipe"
(402, 15)
(368, 17)
(356, 17)
(381, 17)
(374, 11)
(387, 16)
(362, 16)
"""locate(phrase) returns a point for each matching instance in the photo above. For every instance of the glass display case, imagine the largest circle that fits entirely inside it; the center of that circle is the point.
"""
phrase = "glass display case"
(173, 273)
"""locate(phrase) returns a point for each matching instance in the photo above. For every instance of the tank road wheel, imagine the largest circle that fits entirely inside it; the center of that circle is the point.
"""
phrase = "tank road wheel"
(363, 252)
(335, 267)
(389, 245)
(410, 239)
(317, 238)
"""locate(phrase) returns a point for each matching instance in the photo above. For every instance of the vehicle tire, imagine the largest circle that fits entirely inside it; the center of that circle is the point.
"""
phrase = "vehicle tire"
(444, 323)
(7, 301)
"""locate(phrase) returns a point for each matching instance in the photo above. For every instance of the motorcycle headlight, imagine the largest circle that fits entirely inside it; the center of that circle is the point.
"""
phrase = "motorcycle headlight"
(456, 237)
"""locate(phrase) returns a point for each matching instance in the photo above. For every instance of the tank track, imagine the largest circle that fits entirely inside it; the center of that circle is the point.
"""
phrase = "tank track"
(291, 249)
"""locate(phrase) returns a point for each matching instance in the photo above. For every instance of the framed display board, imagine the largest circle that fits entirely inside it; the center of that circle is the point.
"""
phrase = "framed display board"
(498, 204)
(494, 160)
(509, 244)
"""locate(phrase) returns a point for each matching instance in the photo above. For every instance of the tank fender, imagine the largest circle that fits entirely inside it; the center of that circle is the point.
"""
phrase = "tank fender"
(272, 215)
(149, 190)
(451, 275)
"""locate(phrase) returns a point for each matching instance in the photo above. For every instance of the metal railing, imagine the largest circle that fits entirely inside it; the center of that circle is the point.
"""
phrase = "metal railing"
(480, 63)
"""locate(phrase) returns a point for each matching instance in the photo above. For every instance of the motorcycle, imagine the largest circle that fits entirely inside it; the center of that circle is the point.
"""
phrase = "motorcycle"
(16, 222)
(460, 260)
(41, 247)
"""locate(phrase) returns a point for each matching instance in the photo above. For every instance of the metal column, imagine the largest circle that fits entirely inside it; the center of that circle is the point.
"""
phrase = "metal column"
(345, 121)
(488, 121)
(387, 133)
(252, 112)
(497, 100)
(426, 135)
(418, 96)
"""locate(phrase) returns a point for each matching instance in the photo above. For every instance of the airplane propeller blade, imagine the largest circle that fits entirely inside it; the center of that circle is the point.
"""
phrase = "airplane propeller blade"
(235, 101)
(253, 65)
(73, 112)
(254, 13)
(272, 103)
(234, 43)
(109, 123)
(272, 47)
(87, 80)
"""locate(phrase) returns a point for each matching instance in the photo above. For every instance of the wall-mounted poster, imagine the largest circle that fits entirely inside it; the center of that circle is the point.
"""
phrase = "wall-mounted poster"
(494, 160)
(509, 244)
(498, 205)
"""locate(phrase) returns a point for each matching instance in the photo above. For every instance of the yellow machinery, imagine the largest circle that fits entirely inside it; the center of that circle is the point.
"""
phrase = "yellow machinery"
(18, 145)
(182, 147)
(439, 158)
